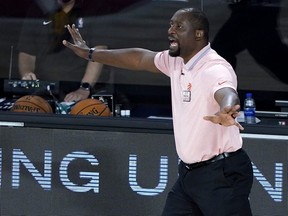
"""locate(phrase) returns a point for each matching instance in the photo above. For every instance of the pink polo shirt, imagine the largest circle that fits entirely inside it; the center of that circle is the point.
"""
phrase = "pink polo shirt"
(197, 139)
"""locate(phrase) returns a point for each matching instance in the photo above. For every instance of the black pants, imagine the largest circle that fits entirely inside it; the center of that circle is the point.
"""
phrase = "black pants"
(221, 188)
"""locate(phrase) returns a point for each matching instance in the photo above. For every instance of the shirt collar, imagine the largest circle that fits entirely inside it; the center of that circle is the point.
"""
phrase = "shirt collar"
(193, 61)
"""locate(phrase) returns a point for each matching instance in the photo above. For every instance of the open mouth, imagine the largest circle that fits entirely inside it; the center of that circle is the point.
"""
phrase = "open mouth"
(173, 44)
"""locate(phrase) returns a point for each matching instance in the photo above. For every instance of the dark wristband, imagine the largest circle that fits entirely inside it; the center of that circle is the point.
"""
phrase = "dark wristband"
(90, 53)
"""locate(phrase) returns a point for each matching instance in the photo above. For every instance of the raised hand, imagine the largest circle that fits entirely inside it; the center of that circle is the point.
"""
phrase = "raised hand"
(79, 47)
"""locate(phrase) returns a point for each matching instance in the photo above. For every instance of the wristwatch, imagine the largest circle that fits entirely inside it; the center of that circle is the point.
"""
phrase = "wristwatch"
(85, 86)
(90, 53)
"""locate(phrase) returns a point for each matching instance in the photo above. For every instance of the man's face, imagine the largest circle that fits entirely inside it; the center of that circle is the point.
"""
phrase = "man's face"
(181, 35)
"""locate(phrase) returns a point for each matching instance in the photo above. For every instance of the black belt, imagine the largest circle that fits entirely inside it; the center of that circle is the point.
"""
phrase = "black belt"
(212, 160)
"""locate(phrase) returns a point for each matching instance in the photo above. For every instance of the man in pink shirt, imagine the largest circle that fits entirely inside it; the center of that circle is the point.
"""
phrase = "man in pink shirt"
(215, 173)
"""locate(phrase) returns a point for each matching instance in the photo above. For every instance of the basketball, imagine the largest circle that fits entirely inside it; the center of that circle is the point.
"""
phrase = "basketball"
(90, 107)
(32, 103)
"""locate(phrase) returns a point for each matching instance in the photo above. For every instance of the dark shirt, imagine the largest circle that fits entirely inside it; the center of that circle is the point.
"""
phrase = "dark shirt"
(42, 35)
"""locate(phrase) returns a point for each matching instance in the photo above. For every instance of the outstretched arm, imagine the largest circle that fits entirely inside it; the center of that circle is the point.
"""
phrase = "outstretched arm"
(229, 103)
(132, 58)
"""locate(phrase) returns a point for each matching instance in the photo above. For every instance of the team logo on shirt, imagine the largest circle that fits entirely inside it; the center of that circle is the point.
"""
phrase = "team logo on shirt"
(80, 22)
(189, 87)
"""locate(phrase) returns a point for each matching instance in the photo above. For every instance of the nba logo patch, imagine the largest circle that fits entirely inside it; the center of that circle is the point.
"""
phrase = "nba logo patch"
(80, 22)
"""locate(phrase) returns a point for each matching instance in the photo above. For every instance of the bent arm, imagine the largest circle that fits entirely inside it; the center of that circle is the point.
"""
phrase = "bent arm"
(229, 103)
(26, 64)
(227, 97)
(93, 70)
(91, 76)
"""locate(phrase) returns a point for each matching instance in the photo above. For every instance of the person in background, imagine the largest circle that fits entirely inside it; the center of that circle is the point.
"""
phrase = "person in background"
(253, 26)
(215, 173)
(41, 53)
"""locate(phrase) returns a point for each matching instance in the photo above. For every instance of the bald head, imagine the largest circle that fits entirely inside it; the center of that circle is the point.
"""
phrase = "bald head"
(198, 20)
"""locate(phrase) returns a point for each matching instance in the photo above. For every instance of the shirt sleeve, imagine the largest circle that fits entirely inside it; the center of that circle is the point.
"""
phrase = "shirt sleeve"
(165, 63)
(221, 76)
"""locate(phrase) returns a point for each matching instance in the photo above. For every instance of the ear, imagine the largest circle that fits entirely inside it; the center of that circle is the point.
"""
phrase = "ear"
(199, 34)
